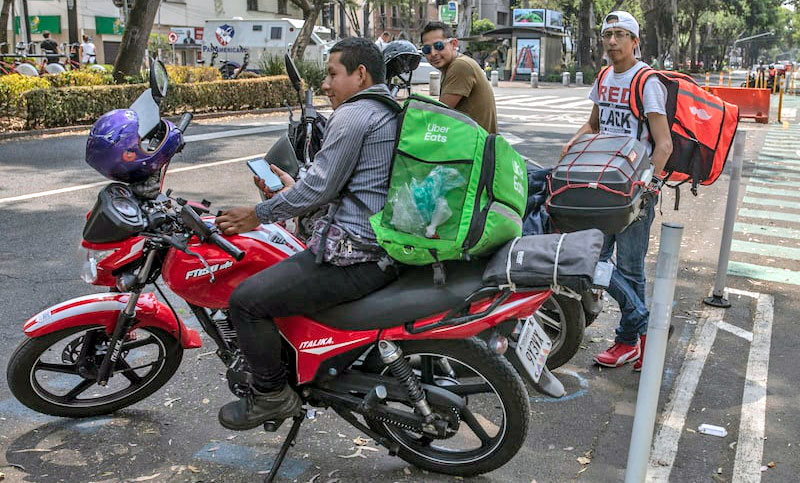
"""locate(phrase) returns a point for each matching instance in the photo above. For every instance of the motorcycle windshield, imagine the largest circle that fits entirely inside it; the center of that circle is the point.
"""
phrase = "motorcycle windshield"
(147, 111)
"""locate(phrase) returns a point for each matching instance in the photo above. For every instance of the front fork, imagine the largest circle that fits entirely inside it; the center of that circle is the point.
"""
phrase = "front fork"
(125, 321)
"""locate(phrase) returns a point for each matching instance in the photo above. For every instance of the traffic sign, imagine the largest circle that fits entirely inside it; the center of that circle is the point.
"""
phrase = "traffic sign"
(172, 37)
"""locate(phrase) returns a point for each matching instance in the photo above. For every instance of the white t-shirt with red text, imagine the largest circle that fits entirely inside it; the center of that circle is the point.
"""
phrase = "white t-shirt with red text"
(613, 99)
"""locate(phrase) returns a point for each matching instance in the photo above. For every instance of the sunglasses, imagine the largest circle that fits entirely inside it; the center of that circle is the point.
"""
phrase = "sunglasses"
(438, 45)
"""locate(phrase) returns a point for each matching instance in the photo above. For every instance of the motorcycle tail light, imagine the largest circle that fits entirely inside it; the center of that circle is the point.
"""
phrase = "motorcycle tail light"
(90, 258)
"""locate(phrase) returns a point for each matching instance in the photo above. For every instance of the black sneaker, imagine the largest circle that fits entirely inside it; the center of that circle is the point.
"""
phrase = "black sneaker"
(260, 407)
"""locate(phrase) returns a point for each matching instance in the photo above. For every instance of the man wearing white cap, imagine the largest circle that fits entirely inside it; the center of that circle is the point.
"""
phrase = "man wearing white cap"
(612, 115)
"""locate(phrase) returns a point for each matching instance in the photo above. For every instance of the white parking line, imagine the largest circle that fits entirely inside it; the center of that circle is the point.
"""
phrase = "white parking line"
(750, 448)
(102, 183)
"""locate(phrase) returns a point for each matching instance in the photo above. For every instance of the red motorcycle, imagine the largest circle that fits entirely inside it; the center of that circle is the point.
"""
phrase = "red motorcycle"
(407, 359)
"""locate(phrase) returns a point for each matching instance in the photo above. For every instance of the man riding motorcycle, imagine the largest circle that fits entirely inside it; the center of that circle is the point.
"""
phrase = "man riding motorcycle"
(344, 262)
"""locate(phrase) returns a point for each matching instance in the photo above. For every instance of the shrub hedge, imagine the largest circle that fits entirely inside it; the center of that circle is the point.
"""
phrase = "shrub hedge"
(12, 87)
(79, 105)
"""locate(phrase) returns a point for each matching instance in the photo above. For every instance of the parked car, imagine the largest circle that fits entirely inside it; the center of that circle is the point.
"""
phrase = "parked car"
(422, 74)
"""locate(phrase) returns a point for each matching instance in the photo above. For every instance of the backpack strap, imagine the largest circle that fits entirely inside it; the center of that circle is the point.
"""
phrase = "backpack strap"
(386, 100)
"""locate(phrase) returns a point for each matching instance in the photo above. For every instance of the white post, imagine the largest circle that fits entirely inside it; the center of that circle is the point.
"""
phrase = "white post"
(644, 419)
(579, 78)
(565, 79)
(534, 80)
(434, 83)
(717, 298)
(495, 78)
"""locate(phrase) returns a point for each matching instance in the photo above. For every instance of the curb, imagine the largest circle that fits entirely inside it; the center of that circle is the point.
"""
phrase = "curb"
(204, 115)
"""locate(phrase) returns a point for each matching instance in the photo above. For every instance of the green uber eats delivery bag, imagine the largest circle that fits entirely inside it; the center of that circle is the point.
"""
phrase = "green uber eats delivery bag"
(454, 191)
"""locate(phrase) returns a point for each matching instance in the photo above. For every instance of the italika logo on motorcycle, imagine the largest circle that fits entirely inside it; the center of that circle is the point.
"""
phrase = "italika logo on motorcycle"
(224, 34)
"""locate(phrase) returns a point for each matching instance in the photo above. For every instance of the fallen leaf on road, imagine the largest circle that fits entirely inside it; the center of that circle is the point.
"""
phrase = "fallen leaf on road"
(583, 460)
(719, 470)
(568, 448)
(193, 469)
(583, 469)
(406, 470)
(359, 441)
(169, 402)
(341, 435)
(2, 476)
(107, 473)
(771, 464)
(206, 400)
(33, 450)
(314, 478)
(330, 475)
(147, 478)
(690, 430)
(213, 448)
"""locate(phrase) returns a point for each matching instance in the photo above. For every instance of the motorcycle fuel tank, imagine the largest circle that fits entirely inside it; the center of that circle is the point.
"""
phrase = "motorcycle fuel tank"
(191, 280)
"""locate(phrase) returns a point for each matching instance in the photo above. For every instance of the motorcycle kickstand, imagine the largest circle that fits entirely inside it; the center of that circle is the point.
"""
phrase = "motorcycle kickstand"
(289, 441)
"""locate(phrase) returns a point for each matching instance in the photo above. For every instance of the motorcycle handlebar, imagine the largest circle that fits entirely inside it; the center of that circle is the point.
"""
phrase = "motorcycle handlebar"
(186, 118)
(226, 246)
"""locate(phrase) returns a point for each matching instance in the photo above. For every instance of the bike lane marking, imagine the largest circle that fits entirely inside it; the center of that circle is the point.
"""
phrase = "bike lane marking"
(70, 189)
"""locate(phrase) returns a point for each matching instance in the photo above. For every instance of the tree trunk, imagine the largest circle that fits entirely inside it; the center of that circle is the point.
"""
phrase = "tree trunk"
(693, 40)
(676, 48)
(464, 19)
(650, 37)
(4, 13)
(134, 39)
(304, 36)
(585, 17)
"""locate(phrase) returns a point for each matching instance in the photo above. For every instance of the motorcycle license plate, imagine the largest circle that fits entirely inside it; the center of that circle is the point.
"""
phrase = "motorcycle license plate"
(533, 348)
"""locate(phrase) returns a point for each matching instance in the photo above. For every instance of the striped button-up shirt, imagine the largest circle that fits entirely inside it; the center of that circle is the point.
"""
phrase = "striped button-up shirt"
(355, 157)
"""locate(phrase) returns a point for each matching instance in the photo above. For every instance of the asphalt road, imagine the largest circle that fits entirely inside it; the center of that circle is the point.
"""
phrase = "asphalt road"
(174, 435)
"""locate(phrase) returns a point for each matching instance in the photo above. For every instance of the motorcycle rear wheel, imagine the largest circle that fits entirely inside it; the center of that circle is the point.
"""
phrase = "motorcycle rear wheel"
(43, 371)
(564, 321)
(496, 415)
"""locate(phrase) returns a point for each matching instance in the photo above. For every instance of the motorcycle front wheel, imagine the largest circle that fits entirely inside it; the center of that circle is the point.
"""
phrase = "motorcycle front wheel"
(56, 375)
(491, 428)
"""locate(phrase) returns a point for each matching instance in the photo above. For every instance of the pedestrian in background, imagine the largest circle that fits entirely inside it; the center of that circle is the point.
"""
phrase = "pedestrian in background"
(50, 48)
(383, 40)
(88, 53)
(464, 85)
(611, 115)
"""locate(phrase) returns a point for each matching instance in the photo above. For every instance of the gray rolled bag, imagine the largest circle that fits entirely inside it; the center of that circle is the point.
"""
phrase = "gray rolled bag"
(560, 259)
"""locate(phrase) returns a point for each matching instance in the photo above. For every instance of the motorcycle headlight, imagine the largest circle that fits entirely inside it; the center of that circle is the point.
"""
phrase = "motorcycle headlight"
(90, 259)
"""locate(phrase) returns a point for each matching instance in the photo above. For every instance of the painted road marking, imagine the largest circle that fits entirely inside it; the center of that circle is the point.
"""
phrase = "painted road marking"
(511, 138)
(770, 274)
(235, 133)
(665, 446)
(771, 202)
(773, 182)
(735, 330)
(529, 99)
(769, 215)
(750, 448)
(773, 191)
(776, 231)
(780, 174)
(773, 251)
(103, 183)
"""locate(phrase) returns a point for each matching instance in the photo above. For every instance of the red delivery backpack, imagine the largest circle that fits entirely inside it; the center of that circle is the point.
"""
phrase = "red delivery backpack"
(702, 125)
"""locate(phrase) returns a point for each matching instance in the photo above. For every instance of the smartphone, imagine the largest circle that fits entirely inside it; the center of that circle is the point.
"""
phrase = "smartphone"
(261, 168)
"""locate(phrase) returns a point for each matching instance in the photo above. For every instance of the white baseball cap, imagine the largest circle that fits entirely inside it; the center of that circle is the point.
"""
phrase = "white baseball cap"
(624, 20)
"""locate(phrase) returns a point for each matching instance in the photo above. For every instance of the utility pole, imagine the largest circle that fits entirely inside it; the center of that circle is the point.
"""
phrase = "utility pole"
(25, 23)
(72, 21)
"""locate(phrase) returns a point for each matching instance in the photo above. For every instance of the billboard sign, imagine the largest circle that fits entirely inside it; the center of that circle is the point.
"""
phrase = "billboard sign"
(529, 17)
(449, 13)
(555, 20)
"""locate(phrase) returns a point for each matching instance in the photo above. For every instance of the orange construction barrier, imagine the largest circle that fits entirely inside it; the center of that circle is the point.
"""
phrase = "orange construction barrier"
(753, 103)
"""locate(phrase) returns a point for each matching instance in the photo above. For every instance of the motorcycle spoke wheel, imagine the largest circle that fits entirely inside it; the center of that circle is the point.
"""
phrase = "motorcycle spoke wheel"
(55, 374)
(482, 436)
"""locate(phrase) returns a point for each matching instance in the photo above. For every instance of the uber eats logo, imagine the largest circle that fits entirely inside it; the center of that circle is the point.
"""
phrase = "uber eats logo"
(436, 133)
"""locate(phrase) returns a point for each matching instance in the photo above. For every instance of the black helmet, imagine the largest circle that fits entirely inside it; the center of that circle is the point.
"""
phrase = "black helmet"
(400, 57)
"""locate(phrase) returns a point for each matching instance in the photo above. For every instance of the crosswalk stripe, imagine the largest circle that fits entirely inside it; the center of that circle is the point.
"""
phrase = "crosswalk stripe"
(775, 161)
(537, 102)
(775, 251)
(759, 272)
(507, 98)
(515, 100)
(573, 105)
(773, 182)
(761, 230)
(766, 172)
(771, 202)
(769, 215)
(772, 191)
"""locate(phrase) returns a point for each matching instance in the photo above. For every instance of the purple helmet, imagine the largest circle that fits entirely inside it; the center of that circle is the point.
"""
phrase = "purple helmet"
(115, 150)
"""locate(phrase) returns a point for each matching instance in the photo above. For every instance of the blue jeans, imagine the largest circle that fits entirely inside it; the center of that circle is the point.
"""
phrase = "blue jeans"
(627, 285)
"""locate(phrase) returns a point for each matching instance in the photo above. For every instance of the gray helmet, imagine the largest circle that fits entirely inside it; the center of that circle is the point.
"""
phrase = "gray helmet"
(400, 57)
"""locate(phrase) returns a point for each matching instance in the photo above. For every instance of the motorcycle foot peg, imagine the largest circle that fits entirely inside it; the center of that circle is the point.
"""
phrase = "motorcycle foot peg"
(272, 426)
(373, 397)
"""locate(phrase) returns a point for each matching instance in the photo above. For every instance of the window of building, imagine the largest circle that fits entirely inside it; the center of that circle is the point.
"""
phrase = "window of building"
(275, 33)
(502, 18)
(258, 28)
(395, 18)
(252, 4)
(283, 7)
(421, 10)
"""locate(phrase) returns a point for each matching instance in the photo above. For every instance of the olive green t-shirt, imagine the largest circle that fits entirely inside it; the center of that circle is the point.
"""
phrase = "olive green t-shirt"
(463, 77)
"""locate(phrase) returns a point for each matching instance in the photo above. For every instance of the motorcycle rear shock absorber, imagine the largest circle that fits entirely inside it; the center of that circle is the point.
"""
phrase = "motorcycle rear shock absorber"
(392, 356)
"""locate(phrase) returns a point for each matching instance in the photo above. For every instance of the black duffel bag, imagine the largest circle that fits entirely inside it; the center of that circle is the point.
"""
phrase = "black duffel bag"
(561, 259)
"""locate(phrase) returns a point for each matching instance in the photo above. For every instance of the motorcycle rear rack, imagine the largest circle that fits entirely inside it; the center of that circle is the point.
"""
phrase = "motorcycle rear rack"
(456, 316)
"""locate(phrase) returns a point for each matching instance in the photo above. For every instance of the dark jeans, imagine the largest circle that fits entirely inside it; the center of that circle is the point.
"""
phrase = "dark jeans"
(627, 285)
(295, 286)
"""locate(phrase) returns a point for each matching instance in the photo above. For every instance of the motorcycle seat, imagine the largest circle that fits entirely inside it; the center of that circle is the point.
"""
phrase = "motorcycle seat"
(412, 296)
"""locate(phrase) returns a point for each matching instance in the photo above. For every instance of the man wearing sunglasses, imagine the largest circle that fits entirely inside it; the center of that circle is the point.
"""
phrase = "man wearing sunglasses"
(611, 115)
(464, 85)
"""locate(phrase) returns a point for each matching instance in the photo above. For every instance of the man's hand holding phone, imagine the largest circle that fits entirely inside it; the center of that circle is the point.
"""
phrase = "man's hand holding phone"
(269, 178)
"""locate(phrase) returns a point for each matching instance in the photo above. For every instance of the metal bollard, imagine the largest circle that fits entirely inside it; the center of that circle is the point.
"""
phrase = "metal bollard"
(565, 79)
(495, 78)
(644, 419)
(434, 83)
(534, 80)
(717, 298)
(579, 78)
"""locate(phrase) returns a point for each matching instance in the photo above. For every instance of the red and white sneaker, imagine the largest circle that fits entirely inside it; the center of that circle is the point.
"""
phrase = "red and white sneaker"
(638, 365)
(618, 355)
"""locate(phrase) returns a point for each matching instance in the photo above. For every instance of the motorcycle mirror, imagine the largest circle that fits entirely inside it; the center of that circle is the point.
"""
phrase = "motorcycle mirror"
(159, 79)
(292, 72)
(193, 221)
